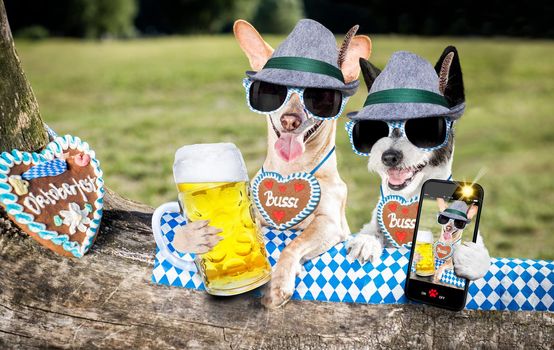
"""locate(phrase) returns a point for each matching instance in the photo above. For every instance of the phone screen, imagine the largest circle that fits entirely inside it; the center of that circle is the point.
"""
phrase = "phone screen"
(448, 215)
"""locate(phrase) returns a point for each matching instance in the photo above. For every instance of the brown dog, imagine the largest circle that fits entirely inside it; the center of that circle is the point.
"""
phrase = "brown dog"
(297, 142)
(450, 236)
(312, 139)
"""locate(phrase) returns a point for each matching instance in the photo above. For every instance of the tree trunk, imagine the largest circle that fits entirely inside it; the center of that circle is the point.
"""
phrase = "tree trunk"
(106, 299)
(20, 123)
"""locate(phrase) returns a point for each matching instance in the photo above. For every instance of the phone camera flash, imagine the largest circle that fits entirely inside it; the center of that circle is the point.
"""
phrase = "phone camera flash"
(467, 191)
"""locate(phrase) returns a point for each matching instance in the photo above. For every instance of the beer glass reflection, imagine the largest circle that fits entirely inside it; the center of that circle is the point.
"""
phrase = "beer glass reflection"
(425, 266)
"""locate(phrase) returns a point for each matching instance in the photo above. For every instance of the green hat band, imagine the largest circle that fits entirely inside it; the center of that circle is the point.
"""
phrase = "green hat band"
(457, 212)
(402, 95)
(304, 64)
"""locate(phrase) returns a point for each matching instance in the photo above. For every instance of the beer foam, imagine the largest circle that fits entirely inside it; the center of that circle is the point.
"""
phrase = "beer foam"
(424, 236)
(209, 162)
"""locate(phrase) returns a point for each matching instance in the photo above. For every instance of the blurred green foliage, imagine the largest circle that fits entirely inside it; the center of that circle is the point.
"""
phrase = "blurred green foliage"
(277, 16)
(33, 33)
(189, 16)
(123, 18)
(102, 18)
(80, 18)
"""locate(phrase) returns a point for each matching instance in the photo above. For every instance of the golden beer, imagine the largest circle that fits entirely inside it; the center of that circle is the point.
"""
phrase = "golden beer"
(238, 263)
(424, 247)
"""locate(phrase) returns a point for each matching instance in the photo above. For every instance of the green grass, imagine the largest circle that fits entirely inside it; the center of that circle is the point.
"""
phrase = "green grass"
(137, 101)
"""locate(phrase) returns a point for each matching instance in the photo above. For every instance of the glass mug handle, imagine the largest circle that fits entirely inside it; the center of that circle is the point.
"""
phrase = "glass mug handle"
(172, 207)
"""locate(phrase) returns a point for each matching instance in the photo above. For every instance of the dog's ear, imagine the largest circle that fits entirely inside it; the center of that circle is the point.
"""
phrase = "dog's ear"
(442, 204)
(472, 211)
(352, 49)
(449, 70)
(369, 72)
(252, 43)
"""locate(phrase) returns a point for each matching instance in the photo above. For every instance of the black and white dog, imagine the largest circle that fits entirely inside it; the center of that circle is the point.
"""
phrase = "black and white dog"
(406, 155)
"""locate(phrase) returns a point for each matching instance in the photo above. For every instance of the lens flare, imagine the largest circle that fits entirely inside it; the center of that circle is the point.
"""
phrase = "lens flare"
(467, 191)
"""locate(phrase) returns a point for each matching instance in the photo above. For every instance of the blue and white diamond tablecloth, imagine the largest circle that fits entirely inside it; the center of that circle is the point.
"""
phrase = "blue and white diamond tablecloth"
(448, 276)
(510, 284)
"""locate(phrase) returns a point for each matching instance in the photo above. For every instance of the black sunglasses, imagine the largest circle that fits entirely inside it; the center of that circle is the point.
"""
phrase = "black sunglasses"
(459, 224)
(266, 97)
(428, 133)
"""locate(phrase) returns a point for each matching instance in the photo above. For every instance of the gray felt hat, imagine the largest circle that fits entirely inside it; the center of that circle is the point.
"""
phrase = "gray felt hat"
(408, 88)
(307, 58)
(457, 211)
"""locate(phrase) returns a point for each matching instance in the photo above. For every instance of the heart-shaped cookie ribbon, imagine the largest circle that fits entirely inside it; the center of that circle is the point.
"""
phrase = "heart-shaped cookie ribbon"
(55, 196)
(396, 218)
(285, 201)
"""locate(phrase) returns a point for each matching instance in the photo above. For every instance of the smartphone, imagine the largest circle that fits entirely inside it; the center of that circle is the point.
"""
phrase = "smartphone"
(448, 214)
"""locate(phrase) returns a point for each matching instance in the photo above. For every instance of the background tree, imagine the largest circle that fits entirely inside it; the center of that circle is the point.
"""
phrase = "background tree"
(101, 18)
(277, 16)
(79, 18)
(179, 16)
(98, 18)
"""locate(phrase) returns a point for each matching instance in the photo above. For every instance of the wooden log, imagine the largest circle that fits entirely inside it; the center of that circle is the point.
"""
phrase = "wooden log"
(106, 300)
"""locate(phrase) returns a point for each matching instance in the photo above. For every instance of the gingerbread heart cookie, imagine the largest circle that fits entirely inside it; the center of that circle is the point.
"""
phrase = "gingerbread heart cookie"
(396, 217)
(285, 201)
(442, 250)
(55, 196)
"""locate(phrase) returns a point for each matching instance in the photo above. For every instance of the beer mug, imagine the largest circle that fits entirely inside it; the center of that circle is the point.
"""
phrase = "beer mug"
(213, 185)
(424, 247)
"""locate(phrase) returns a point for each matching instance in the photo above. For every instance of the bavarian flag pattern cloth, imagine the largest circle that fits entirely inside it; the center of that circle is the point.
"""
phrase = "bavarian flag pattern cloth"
(448, 276)
(510, 284)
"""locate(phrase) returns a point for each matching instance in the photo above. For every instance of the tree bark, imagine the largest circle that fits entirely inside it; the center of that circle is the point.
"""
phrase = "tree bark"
(106, 299)
(21, 126)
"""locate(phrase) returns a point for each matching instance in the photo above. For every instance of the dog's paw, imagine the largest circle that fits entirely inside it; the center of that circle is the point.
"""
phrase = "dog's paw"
(281, 287)
(364, 248)
(471, 261)
(276, 297)
(277, 294)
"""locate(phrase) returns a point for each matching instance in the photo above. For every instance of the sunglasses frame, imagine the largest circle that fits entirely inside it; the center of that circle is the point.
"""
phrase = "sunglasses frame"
(247, 82)
(401, 125)
(453, 222)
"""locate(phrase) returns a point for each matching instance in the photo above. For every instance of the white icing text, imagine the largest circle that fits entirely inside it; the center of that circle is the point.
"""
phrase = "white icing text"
(400, 223)
(281, 202)
(35, 203)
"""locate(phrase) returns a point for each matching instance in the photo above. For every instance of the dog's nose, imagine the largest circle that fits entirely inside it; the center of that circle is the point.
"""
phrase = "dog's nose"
(391, 157)
(290, 122)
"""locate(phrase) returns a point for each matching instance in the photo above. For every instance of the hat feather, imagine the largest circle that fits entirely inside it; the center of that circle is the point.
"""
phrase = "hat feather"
(345, 43)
